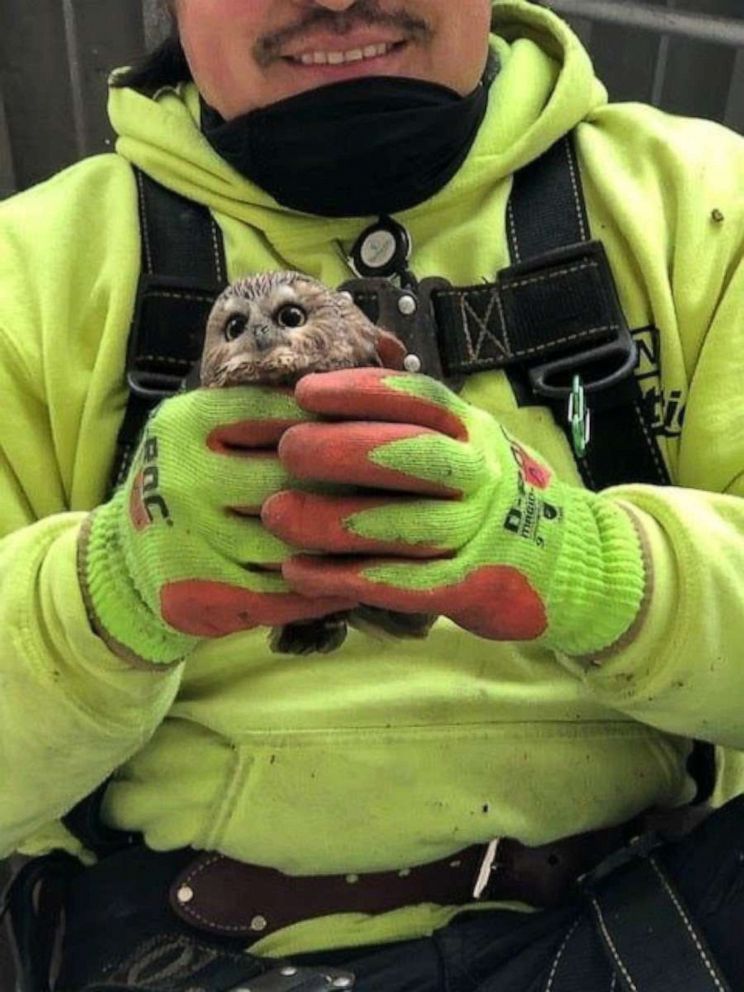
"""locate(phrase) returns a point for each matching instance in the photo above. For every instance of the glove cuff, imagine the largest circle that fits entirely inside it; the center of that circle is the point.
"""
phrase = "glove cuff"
(600, 579)
(117, 611)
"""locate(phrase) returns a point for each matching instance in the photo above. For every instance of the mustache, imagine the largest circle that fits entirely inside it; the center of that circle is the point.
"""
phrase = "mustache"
(365, 13)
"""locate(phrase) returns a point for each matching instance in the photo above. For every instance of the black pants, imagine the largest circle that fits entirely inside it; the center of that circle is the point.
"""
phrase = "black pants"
(117, 940)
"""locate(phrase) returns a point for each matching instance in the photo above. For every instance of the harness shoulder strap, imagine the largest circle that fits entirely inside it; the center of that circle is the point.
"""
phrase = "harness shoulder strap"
(546, 213)
(650, 938)
(182, 270)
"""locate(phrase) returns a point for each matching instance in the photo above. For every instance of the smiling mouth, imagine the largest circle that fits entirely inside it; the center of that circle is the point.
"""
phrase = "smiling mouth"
(348, 57)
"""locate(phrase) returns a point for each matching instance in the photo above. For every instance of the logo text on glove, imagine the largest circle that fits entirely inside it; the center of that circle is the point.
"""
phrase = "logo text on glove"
(146, 505)
(530, 509)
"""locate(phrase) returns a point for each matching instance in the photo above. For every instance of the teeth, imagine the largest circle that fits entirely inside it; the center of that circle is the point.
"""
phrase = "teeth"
(340, 58)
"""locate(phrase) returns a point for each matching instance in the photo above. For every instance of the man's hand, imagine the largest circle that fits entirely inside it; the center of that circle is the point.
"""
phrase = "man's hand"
(180, 553)
(459, 518)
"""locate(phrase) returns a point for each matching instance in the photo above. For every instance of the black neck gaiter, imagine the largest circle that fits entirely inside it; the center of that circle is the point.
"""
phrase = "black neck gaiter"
(354, 149)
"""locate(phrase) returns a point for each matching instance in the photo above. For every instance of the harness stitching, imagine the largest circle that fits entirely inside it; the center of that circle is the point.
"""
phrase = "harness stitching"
(611, 945)
(559, 955)
(685, 919)
(144, 222)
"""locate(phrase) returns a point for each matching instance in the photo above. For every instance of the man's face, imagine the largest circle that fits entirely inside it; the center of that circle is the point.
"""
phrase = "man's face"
(246, 54)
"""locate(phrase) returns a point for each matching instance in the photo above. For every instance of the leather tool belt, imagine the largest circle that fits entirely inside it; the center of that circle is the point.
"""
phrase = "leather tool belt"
(217, 895)
(224, 898)
(221, 896)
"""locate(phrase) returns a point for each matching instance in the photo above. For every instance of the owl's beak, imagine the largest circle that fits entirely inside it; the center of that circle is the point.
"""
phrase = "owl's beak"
(263, 336)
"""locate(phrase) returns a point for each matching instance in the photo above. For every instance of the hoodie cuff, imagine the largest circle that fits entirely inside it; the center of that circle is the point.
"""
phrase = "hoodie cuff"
(620, 669)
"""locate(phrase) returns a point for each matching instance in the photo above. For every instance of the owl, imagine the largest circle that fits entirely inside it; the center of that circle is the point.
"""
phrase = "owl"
(272, 329)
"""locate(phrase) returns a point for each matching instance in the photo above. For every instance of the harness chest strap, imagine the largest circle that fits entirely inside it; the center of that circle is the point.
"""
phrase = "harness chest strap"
(553, 311)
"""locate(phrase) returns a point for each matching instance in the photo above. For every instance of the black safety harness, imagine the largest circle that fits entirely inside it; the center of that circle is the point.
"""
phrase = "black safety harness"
(552, 315)
(552, 321)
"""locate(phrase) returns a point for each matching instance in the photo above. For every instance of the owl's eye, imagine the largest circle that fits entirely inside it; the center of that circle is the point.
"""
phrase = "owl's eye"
(291, 316)
(235, 326)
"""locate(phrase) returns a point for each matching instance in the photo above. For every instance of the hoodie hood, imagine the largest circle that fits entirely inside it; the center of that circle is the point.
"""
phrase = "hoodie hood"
(546, 85)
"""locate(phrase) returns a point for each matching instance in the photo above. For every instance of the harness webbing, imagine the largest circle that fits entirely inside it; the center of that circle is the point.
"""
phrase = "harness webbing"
(546, 212)
(183, 269)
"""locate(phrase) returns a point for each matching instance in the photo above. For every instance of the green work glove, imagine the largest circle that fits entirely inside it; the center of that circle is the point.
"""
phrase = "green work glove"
(179, 553)
(464, 521)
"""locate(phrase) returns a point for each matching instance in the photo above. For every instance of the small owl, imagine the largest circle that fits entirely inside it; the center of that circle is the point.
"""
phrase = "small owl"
(273, 329)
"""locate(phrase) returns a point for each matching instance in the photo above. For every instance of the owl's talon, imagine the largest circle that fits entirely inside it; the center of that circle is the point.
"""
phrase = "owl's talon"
(309, 637)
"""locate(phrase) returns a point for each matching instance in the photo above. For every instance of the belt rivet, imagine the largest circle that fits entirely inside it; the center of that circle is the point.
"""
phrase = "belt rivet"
(288, 971)
(412, 363)
(259, 923)
(352, 879)
(342, 983)
(404, 872)
(408, 305)
(185, 894)
(455, 864)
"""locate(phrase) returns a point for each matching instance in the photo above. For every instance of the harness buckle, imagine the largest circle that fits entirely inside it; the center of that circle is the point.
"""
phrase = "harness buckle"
(600, 368)
(408, 313)
(574, 288)
(153, 386)
(637, 848)
(167, 335)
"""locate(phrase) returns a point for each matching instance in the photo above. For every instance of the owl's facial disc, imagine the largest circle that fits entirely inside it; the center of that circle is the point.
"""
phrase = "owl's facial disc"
(265, 322)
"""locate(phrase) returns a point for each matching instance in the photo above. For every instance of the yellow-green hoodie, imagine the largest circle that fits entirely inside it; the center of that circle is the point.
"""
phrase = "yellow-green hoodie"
(377, 756)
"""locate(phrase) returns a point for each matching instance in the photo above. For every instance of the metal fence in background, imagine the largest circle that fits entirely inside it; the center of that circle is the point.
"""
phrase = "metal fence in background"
(686, 56)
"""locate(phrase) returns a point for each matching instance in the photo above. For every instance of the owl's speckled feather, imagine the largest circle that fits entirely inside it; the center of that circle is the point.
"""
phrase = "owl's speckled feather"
(336, 334)
(272, 329)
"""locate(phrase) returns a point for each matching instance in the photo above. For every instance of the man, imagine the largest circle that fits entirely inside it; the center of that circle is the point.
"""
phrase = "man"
(576, 657)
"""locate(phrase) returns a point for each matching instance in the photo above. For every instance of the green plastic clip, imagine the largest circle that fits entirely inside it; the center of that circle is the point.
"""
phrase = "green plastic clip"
(579, 417)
